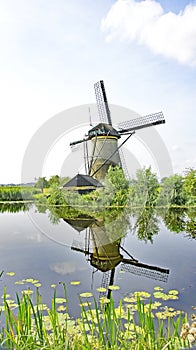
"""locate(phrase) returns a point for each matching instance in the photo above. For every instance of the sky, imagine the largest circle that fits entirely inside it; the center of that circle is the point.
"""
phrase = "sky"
(52, 52)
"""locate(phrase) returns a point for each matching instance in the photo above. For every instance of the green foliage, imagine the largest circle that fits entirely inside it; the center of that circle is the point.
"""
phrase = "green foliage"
(147, 223)
(145, 189)
(56, 196)
(116, 187)
(42, 183)
(172, 191)
(34, 325)
(54, 180)
(190, 186)
(174, 220)
(190, 221)
(115, 193)
(14, 207)
(179, 219)
(17, 193)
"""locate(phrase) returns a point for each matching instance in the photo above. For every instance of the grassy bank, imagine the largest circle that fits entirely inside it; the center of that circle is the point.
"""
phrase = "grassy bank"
(31, 324)
(17, 193)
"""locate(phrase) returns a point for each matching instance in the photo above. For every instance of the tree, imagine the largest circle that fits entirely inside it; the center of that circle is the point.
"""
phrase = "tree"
(190, 186)
(145, 189)
(41, 183)
(56, 196)
(116, 186)
(54, 180)
(172, 191)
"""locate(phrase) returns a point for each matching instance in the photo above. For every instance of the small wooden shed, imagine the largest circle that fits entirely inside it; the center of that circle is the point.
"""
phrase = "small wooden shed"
(82, 184)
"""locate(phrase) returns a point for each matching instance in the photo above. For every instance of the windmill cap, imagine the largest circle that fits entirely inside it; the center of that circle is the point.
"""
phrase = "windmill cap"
(103, 129)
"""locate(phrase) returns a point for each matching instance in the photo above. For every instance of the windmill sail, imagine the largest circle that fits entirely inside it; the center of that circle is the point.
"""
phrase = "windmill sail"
(140, 269)
(142, 122)
(102, 103)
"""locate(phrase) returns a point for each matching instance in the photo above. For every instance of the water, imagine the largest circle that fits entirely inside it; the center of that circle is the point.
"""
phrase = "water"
(38, 243)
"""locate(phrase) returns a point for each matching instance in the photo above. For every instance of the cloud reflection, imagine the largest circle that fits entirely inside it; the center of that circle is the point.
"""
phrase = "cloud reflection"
(66, 267)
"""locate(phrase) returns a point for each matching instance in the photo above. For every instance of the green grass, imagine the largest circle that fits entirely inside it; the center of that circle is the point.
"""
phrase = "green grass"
(30, 324)
(17, 193)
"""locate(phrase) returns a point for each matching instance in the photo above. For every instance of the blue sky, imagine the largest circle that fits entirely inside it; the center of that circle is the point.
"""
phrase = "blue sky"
(53, 51)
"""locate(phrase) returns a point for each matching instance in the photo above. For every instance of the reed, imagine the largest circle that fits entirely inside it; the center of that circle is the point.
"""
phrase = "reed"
(33, 325)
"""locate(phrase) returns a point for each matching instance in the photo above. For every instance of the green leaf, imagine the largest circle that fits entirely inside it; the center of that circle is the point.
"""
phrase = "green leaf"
(114, 287)
(101, 289)
(158, 288)
(86, 295)
(37, 284)
(173, 292)
(60, 300)
(10, 273)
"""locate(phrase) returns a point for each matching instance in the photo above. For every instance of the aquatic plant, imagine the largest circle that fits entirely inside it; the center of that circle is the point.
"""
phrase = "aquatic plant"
(133, 324)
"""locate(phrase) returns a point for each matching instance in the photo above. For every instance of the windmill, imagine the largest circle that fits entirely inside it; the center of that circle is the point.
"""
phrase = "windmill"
(104, 137)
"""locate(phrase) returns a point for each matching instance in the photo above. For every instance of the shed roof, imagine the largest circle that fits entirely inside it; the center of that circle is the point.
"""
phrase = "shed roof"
(81, 180)
(80, 223)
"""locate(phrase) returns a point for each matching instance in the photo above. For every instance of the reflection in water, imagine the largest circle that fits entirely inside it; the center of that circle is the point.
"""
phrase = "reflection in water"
(180, 220)
(104, 235)
(146, 220)
(14, 207)
(104, 249)
(147, 224)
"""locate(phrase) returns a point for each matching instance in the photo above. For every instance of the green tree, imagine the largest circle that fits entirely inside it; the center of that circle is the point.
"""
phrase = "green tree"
(145, 188)
(116, 186)
(55, 179)
(190, 186)
(57, 196)
(172, 191)
(42, 183)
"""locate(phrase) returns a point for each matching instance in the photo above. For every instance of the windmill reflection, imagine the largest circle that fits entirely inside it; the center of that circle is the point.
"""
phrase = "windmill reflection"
(104, 250)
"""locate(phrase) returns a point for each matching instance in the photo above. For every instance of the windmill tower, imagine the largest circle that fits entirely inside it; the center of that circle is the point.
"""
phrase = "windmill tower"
(104, 137)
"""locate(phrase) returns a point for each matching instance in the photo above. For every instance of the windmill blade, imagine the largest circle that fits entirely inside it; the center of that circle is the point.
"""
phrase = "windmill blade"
(140, 269)
(142, 122)
(107, 280)
(123, 164)
(77, 142)
(102, 103)
(105, 283)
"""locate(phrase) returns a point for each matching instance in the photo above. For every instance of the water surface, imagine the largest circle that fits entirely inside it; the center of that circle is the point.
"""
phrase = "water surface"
(46, 247)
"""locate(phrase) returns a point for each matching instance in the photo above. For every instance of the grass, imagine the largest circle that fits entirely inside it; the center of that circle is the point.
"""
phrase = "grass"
(30, 324)
(17, 193)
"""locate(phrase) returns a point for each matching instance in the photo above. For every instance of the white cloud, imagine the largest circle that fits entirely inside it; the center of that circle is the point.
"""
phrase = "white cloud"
(168, 34)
